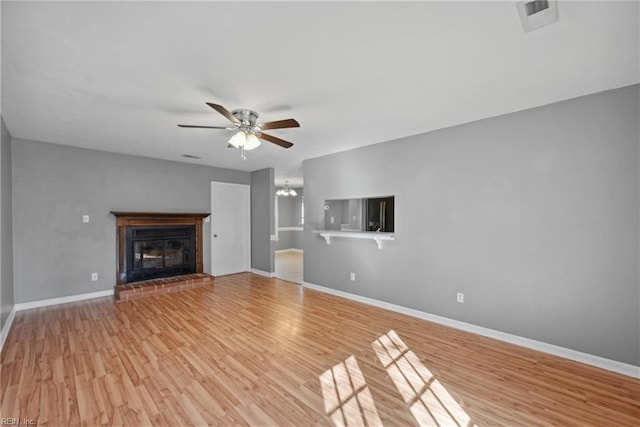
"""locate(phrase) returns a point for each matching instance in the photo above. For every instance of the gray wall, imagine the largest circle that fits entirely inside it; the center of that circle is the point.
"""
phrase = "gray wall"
(53, 186)
(333, 214)
(287, 240)
(6, 244)
(298, 239)
(289, 216)
(285, 211)
(262, 220)
(534, 216)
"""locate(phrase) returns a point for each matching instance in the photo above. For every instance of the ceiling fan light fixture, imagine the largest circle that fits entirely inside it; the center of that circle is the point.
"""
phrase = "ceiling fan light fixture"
(248, 133)
(244, 139)
(252, 142)
(238, 139)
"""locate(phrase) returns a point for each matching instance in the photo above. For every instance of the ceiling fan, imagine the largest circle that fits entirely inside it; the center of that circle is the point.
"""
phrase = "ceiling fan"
(247, 131)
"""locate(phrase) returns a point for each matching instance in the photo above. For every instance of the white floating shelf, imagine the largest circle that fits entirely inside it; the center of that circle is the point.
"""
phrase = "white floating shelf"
(371, 235)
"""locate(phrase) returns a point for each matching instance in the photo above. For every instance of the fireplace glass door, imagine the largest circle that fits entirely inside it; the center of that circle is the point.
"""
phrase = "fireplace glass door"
(160, 252)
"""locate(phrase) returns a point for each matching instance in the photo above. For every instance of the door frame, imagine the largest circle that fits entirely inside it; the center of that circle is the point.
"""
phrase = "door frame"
(247, 223)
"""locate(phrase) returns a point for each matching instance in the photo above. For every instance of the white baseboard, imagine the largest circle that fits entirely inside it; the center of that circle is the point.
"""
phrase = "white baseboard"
(589, 359)
(7, 327)
(279, 251)
(263, 273)
(62, 300)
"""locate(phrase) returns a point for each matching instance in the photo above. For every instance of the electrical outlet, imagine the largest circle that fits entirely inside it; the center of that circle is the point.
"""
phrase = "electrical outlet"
(331, 219)
(94, 277)
(85, 218)
(352, 276)
(460, 297)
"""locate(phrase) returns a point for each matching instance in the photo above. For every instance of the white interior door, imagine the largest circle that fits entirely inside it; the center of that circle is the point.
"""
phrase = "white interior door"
(230, 228)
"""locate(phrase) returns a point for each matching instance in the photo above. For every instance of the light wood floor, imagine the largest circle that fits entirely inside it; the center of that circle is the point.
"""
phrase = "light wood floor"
(249, 350)
(289, 266)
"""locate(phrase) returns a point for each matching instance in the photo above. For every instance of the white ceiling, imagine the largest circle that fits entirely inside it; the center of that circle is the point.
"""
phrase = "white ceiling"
(119, 76)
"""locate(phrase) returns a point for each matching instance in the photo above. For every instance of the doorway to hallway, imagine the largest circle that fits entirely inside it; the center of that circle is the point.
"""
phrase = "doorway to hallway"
(289, 265)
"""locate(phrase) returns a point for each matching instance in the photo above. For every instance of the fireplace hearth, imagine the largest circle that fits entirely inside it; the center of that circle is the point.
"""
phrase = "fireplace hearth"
(157, 245)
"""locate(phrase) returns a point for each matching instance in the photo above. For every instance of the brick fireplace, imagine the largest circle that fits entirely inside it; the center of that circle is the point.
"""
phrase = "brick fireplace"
(157, 249)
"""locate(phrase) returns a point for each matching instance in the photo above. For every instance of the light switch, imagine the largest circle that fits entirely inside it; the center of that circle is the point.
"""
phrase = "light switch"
(85, 218)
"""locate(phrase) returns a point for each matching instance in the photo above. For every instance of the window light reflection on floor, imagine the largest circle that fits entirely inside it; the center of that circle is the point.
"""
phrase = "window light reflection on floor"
(429, 402)
(347, 398)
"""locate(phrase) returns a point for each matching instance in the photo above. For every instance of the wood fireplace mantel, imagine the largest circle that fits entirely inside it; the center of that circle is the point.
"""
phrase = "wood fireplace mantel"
(125, 219)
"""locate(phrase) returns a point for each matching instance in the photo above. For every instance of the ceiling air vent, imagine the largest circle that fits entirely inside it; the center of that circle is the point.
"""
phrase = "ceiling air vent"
(537, 13)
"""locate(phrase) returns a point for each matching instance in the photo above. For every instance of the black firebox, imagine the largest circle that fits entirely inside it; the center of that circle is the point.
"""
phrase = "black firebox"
(160, 251)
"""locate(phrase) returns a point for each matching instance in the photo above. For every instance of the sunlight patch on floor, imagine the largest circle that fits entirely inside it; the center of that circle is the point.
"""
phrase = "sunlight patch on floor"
(429, 402)
(347, 398)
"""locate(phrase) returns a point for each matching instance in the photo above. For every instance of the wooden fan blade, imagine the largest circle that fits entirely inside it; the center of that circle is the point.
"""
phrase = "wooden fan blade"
(202, 127)
(220, 109)
(280, 124)
(281, 142)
